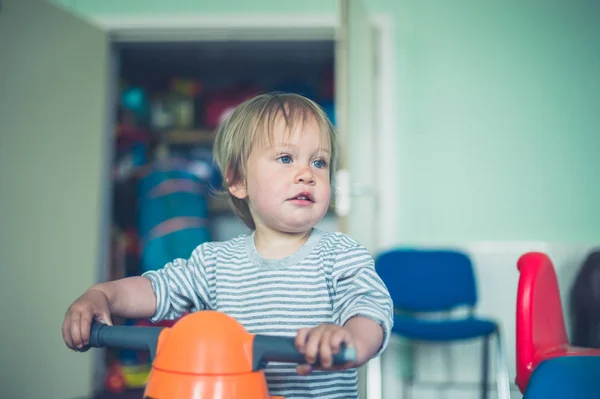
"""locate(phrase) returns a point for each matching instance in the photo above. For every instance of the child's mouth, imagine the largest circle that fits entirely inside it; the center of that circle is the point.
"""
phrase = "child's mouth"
(302, 199)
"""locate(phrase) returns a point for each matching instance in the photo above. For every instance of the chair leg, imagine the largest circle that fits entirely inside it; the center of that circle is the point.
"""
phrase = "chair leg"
(407, 388)
(502, 374)
(409, 379)
(374, 377)
(485, 367)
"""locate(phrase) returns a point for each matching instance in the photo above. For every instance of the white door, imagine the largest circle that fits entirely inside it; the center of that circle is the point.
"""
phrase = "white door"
(356, 101)
(53, 156)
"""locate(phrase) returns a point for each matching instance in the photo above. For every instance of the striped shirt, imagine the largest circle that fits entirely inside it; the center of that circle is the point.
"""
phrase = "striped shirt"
(330, 279)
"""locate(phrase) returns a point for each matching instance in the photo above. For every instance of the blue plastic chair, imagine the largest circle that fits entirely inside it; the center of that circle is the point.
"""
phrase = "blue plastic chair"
(565, 377)
(421, 282)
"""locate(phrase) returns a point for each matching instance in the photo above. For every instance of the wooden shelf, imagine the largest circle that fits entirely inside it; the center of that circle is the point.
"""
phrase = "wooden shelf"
(187, 137)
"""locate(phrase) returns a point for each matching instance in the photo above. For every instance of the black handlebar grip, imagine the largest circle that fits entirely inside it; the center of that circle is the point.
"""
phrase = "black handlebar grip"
(268, 348)
(124, 337)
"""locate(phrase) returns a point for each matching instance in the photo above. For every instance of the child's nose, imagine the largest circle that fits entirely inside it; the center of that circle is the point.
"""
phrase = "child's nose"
(305, 176)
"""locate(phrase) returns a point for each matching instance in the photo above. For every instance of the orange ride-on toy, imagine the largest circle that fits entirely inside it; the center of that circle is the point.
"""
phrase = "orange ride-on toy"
(205, 355)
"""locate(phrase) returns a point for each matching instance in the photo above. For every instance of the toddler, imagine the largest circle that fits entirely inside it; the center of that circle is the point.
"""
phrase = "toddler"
(277, 155)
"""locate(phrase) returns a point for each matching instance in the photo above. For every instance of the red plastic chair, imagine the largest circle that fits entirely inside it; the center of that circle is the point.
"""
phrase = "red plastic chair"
(541, 331)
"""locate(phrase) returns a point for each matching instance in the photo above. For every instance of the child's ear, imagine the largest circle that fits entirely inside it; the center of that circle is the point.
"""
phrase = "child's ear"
(238, 189)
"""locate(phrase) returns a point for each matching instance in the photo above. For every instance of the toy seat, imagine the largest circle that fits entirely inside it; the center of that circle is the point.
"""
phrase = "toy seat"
(547, 366)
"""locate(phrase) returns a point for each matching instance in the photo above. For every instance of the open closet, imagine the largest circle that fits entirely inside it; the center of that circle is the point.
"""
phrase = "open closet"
(170, 98)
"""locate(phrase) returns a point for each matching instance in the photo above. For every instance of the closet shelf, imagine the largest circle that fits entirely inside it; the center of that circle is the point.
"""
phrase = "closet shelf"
(187, 137)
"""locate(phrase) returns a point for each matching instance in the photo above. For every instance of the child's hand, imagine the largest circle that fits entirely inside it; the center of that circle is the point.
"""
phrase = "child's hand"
(324, 341)
(92, 305)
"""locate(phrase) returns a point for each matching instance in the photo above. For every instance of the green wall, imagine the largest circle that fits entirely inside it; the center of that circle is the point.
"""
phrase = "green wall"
(497, 112)
(499, 120)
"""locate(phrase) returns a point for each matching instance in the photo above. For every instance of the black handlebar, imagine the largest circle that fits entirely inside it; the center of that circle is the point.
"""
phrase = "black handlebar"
(269, 348)
(125, 337)
(265, 349)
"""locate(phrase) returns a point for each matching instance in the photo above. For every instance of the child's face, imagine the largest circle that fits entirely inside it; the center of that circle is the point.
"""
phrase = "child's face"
(287, 184)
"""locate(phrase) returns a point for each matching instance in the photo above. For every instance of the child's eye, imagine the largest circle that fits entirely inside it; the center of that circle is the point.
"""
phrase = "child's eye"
(319, 163)
(285, 159)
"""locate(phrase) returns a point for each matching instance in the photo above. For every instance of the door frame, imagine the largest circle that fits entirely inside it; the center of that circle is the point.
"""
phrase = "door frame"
(171, 28)
(290, 27)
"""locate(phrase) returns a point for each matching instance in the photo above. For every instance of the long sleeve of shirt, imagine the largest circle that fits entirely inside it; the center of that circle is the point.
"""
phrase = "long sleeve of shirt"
(182, 285)
(358, 289)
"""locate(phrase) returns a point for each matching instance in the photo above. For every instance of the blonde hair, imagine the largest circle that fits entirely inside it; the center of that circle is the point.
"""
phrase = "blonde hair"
(253, 122)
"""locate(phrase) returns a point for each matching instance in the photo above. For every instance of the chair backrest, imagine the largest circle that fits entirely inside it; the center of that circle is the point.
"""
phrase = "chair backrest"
(540, 322)
(584, 303)
(428, 280)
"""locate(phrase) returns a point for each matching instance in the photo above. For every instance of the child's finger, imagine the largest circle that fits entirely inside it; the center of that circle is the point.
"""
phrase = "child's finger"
(325, 350)
(337, 338)
(66, 333)
(300, 340)
(76, 331)
(312, 345)
(304, 369)
(84, 325)
(105, 318)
